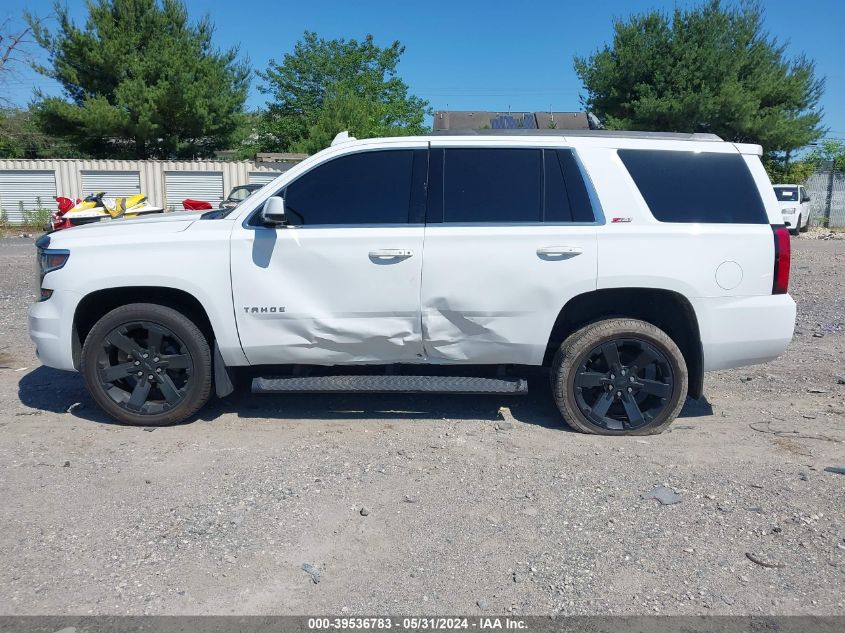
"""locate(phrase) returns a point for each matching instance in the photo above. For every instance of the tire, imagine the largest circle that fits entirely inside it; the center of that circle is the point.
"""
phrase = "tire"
(797, 228)
(175, 375)
(584, 381)
(805, 226)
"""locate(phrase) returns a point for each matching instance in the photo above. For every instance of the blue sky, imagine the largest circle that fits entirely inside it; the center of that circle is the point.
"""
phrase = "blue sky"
(472, 55)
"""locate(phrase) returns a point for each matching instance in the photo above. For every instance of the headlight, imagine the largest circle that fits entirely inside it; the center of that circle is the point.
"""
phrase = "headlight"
(48, 261)
(787, 211)
(53, 260)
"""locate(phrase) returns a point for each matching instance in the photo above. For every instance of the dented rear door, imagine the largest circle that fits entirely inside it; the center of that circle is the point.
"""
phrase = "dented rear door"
(510, 237)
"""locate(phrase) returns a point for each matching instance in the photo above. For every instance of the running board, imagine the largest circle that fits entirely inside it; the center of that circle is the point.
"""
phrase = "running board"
(391, 384)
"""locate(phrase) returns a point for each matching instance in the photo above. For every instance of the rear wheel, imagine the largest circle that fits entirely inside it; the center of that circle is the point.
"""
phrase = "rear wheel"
(619, 377)
(147, 365)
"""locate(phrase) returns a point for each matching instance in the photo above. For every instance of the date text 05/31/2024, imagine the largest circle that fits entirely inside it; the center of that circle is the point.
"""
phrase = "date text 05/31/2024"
(417, 624)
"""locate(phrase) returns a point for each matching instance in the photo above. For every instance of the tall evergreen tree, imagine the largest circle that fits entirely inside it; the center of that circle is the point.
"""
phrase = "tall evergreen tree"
(140, 80)
(708, 68)
(325, 74)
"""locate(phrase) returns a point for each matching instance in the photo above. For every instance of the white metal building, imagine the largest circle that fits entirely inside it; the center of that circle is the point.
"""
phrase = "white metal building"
(33, 184)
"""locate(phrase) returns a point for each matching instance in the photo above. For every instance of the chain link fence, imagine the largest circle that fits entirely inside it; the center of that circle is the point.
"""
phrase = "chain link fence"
(827, 198)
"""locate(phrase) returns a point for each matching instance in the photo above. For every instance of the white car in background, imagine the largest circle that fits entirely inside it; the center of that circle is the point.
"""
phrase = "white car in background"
(794, 204)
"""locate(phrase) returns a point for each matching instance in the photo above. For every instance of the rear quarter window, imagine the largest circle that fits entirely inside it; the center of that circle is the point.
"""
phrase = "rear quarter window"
(685, 186)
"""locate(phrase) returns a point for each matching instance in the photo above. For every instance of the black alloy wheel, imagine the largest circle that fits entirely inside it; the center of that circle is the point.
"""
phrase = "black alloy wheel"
(147, 364)
(619, 376)
(623, 384)
(144, 368)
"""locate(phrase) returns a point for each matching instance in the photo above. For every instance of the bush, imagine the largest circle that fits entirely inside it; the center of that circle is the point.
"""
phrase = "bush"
(796, 172)
(37, 218)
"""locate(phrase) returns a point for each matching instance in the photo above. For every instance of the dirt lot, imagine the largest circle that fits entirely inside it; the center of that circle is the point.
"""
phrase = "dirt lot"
(389, 504)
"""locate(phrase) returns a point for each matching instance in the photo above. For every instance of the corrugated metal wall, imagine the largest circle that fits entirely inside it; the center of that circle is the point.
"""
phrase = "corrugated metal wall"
(196, 185)
(262, 177)
(114, 183)
(26, 190)
(68, 175)
(827, 198)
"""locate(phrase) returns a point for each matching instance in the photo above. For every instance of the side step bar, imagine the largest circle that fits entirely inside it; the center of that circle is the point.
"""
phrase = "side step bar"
(391, 384)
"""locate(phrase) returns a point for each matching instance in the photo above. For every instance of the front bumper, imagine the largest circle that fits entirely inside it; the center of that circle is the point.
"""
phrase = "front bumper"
(51, 329)
(791, 219)
(739, 331)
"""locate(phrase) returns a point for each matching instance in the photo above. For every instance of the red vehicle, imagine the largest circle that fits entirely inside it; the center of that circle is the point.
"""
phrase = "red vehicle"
(195, 205)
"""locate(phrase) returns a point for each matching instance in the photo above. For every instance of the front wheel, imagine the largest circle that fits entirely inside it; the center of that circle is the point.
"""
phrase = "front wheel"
(147, 365)
(805, 226)
(797, 228)
(619, 377)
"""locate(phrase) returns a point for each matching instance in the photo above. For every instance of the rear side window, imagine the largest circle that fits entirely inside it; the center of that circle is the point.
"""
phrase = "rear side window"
(503, 185)
(566, 199)
(492, 185)
(683, 186)
(365, 188)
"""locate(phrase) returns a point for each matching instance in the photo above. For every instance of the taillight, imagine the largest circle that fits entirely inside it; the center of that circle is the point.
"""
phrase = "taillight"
(783, 254)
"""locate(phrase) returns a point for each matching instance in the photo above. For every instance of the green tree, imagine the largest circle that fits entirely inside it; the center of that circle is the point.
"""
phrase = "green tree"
(829, 152)
(343, 109)
(709, 68)
(20, 137)
(141, 81)
(323, 75)
(793, 172)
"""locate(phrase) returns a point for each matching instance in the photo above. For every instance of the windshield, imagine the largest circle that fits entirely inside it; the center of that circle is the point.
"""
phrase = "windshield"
(242, 193)
(787, 194)
(239, 194)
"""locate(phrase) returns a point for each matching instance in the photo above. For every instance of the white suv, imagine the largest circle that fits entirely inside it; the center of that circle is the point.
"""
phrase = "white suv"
(794, 204)
(447, 263)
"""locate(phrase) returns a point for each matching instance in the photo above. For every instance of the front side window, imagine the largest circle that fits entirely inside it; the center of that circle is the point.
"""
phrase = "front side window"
(686, 186)
(365, 188)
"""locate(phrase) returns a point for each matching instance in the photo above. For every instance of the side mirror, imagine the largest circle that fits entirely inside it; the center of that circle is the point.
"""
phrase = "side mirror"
(806, 199)
(273, 212)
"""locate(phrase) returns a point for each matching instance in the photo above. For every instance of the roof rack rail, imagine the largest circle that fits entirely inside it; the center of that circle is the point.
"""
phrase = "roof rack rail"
(674, 136)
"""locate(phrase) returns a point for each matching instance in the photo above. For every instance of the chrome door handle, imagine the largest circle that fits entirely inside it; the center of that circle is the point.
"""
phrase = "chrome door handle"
(559, 251)
(391, 253)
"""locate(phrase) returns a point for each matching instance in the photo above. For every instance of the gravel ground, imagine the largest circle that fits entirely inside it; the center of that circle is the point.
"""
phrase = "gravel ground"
(393, 505)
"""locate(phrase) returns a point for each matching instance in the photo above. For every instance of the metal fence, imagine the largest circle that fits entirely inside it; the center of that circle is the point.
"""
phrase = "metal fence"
(827, 198)
(30, 185)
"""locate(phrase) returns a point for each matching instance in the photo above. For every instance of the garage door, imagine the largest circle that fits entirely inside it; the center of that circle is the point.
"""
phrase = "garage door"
(197, 185)
(262, 177)
(31, 188)
(114, 183)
